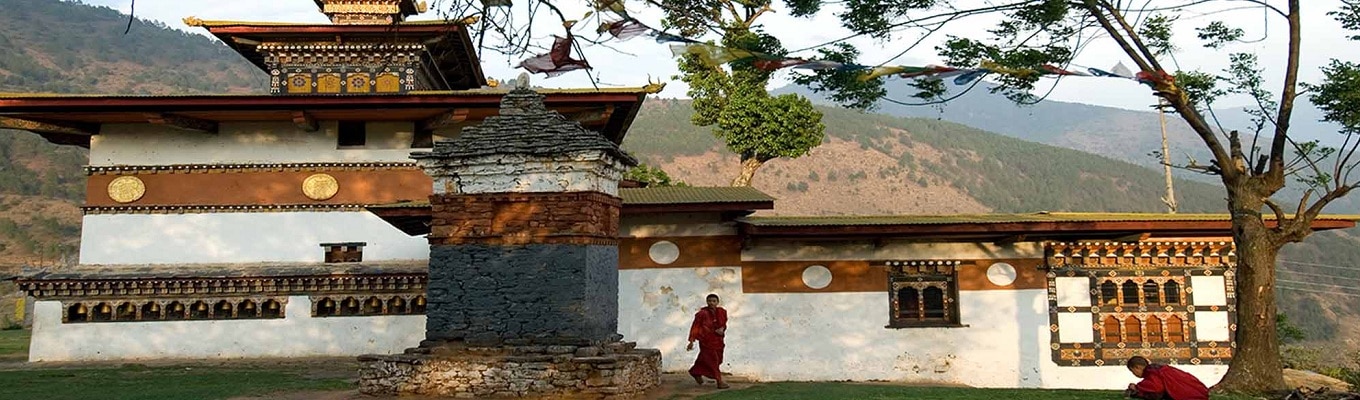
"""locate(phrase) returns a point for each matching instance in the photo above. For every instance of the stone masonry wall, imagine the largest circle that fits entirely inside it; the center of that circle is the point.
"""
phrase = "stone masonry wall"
(616, 370)
(519, 218)
(489, 295)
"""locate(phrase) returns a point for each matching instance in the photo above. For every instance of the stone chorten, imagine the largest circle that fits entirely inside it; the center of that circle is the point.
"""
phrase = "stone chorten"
(523, 281)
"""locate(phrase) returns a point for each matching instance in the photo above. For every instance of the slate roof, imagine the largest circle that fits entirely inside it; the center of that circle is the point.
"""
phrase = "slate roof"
(689, 195)
(526, 127)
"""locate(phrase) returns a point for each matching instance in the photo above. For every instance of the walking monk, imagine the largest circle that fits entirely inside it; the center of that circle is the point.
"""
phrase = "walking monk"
(710, 325)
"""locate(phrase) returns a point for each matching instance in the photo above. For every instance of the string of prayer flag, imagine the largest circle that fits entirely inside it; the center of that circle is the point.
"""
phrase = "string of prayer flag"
(558, 60)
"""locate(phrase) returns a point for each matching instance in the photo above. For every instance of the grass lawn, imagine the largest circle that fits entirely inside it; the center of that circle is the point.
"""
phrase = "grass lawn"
(821, 390)
(168, 382)
(14, 345)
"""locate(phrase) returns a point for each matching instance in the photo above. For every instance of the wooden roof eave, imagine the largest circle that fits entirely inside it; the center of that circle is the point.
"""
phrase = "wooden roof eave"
(1032, 229)
(54, 109)
(464, 59)
(415, 219)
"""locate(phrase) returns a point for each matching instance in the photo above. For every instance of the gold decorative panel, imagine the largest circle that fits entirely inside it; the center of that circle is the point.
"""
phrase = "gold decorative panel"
(328, 83)
(320, 187)
(358, 83)
(389, 83)
(126, 189)
(299, 83)
(344, 78)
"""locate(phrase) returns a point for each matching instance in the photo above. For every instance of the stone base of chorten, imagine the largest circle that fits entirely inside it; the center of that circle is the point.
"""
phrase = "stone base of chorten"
(615, 370)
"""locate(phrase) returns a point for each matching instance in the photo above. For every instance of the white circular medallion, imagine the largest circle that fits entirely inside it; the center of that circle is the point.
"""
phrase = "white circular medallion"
(664, 252)
(1001, 274)
(816, 276)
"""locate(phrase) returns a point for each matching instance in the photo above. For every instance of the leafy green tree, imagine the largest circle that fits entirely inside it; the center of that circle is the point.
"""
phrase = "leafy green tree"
(651, 176)
(732, 98)
(1026, 35)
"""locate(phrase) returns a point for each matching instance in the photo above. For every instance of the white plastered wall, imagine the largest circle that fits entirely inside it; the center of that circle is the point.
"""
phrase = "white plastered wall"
(240, 237)
(245, 143)
(296, 335)
(841, 336)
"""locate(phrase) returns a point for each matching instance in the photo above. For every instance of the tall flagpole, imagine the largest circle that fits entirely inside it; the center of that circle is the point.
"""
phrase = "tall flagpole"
(1170, 199)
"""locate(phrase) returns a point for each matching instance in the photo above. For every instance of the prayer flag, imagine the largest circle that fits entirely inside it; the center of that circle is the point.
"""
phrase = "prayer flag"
(877, 72)
(557, 61)
(663, 37)
(709, 54)
(625, 29)
(969, 76)
(1059, 71)
(772, 65)
(820, 65)
(1004, 70)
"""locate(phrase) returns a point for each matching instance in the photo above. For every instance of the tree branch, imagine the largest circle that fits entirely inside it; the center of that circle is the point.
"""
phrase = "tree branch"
(1133, 36)
(1279, 212)
(753, 17)
(1275, 176)
(1343, 160)
(1311, 164)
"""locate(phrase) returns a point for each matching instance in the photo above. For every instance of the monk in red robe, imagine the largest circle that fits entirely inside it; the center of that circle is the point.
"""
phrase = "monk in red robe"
(1163, 382)
(709, 327)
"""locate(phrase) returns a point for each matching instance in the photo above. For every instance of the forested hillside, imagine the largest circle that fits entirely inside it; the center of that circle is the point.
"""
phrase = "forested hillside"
(67, 47)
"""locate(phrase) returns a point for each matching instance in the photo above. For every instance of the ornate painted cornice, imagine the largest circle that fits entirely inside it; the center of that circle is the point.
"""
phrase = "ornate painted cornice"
(1139, 255)
(269, 167)
(222, 209)
(118, 288)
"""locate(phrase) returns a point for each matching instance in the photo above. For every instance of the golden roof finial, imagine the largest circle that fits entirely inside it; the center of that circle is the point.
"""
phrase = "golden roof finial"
(469, 20)
(422, 7)
(653, 87)
(193, 21)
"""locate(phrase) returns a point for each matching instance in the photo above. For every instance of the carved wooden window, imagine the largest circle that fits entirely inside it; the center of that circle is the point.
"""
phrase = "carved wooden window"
(1135, 318)
(145, 310)
(922, 294)
(1172, 292)
(1168, 301)
(354, 306)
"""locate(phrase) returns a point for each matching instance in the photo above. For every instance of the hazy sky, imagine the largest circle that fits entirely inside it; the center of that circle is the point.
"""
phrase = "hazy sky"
(633, 61)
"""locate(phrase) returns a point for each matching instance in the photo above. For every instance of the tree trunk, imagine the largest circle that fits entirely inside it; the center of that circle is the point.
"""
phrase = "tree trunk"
(1256, 366)
(748, 171)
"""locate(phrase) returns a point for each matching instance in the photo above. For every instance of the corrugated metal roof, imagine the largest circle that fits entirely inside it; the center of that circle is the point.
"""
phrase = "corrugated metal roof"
(690, 195)
(659, 195)
(999, 219)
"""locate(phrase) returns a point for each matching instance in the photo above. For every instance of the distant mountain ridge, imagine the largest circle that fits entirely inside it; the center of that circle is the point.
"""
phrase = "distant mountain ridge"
(1117, 133)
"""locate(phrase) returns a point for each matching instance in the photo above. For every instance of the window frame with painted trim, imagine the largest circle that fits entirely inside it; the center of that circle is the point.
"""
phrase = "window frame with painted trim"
(1100, 309)
(920, 277)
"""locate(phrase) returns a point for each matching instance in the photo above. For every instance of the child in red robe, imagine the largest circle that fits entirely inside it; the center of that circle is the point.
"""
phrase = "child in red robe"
(1163, 382)
(709, 327)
